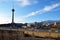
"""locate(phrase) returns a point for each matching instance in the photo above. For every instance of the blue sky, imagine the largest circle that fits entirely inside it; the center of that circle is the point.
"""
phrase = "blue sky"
(29, 10)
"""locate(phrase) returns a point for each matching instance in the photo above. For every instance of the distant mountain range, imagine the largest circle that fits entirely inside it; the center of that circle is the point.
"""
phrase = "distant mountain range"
(50, 21)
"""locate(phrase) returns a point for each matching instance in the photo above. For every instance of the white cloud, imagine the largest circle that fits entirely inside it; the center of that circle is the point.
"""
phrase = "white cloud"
(34, 13)
(26, 2)
(48, 8)
(41, 11)
(23, 2)
(45, 9)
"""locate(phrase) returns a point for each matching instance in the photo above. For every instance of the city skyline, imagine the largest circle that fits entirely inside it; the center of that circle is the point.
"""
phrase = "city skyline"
(29, 10)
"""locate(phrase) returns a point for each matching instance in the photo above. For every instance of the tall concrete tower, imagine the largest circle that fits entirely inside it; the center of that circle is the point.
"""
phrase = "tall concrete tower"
(13, 10)
(13, 15)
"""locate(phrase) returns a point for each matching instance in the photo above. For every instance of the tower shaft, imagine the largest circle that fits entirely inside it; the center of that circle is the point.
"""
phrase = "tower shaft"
(13, 15)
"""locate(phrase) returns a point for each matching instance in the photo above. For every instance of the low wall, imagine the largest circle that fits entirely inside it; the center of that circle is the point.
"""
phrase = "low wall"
(11, 35)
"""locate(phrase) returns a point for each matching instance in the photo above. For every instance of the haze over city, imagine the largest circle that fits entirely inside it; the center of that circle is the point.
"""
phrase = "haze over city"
(29, 10)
